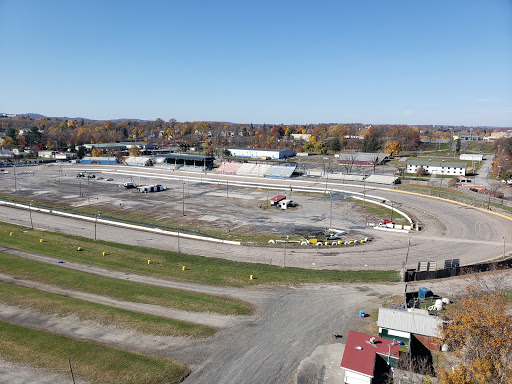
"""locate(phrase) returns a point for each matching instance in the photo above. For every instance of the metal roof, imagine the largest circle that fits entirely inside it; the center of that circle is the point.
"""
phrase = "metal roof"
(409, 322)
(431, 163)
(185, 157)
(360, 353)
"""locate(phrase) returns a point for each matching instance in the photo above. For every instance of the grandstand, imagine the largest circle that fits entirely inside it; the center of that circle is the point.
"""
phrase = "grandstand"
(283, 171)
(343, 177)
(229, 168)
(250, 169)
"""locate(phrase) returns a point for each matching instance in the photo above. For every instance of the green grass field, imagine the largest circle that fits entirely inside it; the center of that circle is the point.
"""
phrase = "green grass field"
(169, 264)
(51, 304)
(90, 361)
(119, 289)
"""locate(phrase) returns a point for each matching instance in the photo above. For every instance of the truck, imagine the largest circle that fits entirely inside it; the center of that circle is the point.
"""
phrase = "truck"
(129, 184)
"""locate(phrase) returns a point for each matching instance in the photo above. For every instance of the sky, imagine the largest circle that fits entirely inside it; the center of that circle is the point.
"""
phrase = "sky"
(274, 62)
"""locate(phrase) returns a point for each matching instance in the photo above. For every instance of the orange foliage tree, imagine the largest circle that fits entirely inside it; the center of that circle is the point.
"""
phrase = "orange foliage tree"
(478, 329)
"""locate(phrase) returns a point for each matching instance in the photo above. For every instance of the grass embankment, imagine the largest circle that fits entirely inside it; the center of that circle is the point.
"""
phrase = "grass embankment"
(379, 210)
(168, 264)
(119, 289)
(51, 304)
(92, 362)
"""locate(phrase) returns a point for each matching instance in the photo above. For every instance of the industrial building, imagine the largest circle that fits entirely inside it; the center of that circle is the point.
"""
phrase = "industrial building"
(262, 153)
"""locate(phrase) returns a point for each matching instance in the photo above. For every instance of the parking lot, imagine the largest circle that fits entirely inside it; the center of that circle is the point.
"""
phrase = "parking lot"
(187, 203)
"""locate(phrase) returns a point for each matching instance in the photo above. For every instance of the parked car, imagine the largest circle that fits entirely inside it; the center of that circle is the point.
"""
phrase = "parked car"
(81, 174)
(110, 179)
(99, 178)
(91, 176)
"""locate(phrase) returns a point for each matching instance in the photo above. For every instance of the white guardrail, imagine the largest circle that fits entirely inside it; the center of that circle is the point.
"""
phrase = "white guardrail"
(119, 224)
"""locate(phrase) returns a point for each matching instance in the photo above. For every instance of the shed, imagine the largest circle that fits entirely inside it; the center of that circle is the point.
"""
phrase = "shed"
(284, 204)
(275, 200)
(365, 355)
(400, 325)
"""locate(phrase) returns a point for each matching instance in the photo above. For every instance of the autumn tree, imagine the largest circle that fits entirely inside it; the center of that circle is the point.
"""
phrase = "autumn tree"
(371, 141)
(96, 152)
(478, 329)
(392, 147)
(421, 172)
(134, 151)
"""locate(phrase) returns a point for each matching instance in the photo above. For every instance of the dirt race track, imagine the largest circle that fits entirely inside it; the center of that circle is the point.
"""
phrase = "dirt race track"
(289, 322)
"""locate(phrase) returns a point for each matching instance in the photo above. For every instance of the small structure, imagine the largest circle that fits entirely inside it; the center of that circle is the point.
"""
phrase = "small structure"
(275, 200)
(284, 204)
(402, 325)
(366, 357)
(471, 157)
(150, 188)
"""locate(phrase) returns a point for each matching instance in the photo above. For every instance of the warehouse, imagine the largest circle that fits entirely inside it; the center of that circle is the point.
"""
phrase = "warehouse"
(262, 153)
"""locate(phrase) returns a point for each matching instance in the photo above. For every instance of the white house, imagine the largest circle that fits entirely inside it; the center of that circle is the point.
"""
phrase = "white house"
(437, 167)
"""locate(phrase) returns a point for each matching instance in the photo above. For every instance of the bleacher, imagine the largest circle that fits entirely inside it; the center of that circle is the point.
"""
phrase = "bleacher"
(192, 168)
(160, 163)
(282, 171)
(228, 168)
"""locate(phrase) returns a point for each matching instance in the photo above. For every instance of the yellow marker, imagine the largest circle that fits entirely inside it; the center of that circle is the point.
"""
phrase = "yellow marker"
(40, 240)
(183, 268)
(149, 261)
(250, 277)
(104, 253)
(10, 233)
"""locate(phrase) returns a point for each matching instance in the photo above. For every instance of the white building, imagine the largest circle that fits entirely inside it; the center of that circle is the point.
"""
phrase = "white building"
(262, 153)
(471, 157)
(437, 167)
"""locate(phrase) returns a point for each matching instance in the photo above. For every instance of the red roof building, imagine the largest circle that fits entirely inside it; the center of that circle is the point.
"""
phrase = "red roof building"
(361, 356)
(277, 199)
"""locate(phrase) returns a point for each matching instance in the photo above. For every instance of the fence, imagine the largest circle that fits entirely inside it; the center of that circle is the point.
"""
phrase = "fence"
(413, 275)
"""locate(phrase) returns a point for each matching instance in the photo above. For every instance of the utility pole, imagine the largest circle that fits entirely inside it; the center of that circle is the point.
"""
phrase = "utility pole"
(183, 199)
(330, 219)
(30, 210)
(95, 225)
(227, 188)
(15, 179)
(71, 371)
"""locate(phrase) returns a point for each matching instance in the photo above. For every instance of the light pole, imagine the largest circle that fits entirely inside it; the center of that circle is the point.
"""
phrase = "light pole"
(330, 220)
(30, 212)
(95, 225)
(392, 212)
(15, 178)
(183, 199)
(364, 188)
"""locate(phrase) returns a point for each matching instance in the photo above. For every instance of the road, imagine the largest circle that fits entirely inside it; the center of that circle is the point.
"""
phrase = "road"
(447, 229)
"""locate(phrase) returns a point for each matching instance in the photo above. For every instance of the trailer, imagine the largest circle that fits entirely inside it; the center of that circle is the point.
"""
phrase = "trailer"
(151, 188)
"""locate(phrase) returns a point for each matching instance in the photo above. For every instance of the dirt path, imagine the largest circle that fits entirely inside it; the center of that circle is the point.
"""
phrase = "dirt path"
(211, 319)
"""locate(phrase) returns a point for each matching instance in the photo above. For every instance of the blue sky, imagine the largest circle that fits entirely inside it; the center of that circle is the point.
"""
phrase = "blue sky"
(397, 62)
